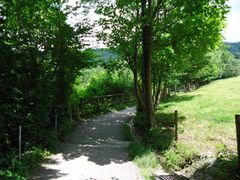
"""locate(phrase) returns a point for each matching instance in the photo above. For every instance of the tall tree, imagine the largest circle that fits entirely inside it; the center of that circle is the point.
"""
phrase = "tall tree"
(170, 31)
(40, 57)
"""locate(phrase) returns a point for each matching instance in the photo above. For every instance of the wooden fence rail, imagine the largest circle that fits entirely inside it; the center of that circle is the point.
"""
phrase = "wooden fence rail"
(96, 104)
(86, 106)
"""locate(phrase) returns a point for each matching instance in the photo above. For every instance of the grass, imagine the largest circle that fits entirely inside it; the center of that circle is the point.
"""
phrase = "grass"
(206, 127)
(145, 158)
(142, 155)
(180, 156)
(207, 115)
(156, 142)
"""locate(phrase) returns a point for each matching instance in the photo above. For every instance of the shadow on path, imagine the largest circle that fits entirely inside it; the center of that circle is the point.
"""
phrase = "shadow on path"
(95, 150)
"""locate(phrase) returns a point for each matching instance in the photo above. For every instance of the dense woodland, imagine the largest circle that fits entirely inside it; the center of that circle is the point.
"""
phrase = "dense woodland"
(154, 47)
(41, 56)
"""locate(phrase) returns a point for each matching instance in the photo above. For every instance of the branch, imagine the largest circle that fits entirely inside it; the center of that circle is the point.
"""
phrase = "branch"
(158, 7)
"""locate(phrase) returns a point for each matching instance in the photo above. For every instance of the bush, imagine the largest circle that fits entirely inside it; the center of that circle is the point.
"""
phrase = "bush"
(50, 140)
(141, 122)
(180, 155)
(22, 169)
(127, 132)
(173, 160)
(136, 149)
(147, 159)
(223, 151)
(160, 138)
(10, 175)
(98, 82)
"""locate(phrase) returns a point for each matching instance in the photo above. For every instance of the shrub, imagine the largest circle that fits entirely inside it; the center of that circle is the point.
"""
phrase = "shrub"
(223, 151)
(160, 138)
(141, 122)
(144, 157)
(173, 160)
(97, 82)
(22, 169)
(147, 159)
(180, 155)
(127, 132)
(50, 140)
(136, 149)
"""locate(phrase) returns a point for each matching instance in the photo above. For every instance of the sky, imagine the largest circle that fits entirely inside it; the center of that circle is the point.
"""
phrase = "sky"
(232, 31)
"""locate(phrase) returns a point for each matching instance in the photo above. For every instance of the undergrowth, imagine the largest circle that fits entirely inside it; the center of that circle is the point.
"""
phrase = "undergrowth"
(22, 169)
(144, 157)
(155, 143)
(180, 156)
(203, 125)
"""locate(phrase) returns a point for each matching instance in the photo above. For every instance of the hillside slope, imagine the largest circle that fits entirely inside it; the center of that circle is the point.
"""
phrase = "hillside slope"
(206, 114)
(234, 48)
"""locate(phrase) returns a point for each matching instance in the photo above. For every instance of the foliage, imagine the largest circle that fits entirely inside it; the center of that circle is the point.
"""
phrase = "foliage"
(180, 155)
(98, 82)
(219, 64)
(144, 157)
(147, 162)
(234, 48)
(160, 138)
(225, 166)
(204, 130)
(127, 132)
(141, 122)
(41, 55)
(223, 151)
(104, 56)
(161, 41)
(24, 168)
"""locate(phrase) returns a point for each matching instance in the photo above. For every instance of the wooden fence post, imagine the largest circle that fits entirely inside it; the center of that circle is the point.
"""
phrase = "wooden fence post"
(71, 114)
(56, 122)
(176, 125)
(97, 104)
(81, 108)
(20, 142)
(237, 118)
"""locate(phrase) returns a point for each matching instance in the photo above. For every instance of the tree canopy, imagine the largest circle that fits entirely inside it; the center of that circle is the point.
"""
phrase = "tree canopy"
(41, 56)
(160, 40)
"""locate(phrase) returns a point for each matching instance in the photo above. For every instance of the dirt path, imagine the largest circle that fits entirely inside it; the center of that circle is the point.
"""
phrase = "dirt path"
(96, 150)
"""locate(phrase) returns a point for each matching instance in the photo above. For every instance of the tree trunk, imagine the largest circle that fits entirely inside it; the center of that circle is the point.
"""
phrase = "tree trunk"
(147, 60)
(158, 94)
(140, 101)
(164, 91)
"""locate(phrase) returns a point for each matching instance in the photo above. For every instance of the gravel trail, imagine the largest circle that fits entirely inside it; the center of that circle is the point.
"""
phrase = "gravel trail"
(95, 150)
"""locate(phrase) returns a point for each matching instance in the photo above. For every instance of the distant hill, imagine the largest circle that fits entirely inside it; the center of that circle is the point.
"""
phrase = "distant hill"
(104, 55)
(234, 48)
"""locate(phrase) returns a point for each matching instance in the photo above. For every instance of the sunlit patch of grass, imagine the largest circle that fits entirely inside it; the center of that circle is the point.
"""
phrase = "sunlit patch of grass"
(147, 162)
(209, 114)
(180, 156)
(145, 159)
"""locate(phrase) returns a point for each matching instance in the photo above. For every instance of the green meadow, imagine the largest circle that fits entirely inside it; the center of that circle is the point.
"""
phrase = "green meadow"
(206, 115)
